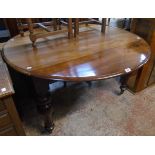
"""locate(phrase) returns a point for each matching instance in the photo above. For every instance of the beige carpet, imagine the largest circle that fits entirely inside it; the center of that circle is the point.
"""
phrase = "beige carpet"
(96, 110)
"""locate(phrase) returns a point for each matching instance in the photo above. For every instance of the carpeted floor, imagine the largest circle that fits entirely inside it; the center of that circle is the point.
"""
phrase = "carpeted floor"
(96, 110)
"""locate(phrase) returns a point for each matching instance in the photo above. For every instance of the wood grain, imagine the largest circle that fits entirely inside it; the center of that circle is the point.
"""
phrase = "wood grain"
(90, 56)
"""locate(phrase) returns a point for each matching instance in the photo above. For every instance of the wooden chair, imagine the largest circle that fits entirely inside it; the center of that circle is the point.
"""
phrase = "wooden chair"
(30, 24)
(86, 21)
(23, 25)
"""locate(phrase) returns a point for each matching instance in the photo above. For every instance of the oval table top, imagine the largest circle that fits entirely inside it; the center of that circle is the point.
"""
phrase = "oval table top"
(90, 56)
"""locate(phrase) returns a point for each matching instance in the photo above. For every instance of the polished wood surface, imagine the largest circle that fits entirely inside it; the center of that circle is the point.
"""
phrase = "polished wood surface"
(90, 56)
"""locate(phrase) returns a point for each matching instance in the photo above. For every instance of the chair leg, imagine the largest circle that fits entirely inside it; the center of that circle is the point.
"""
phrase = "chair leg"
(70, 29)
(59, 23)
(124, 23)
(76, 27)
(108, 21)
(20, 27)
(103, 26)
(30, 26)
(55, 24)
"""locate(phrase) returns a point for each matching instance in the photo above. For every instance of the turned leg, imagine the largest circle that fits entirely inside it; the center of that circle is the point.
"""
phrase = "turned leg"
(123, 81)
(44, 102)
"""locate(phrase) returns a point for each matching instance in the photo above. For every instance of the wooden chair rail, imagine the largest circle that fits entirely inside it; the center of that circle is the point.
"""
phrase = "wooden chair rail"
(77, 23)
(56, 23)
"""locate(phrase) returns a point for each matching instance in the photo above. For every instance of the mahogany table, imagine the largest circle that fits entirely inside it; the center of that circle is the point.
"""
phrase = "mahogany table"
(90, 56)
